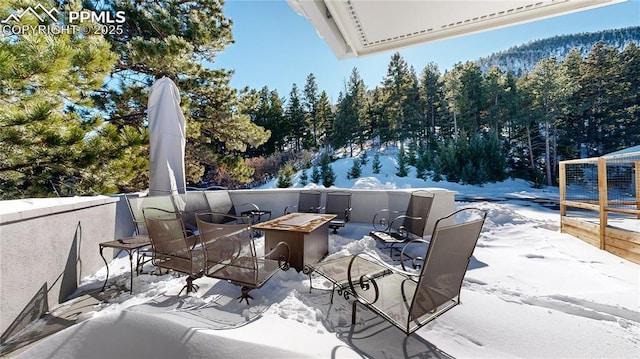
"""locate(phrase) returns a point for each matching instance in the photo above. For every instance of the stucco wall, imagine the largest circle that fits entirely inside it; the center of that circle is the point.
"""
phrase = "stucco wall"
(46, 247)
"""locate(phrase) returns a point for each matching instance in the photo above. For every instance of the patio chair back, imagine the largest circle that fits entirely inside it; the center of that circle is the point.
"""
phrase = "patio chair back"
(194, 202)
(419, 207)
(137, 204)
(172, 249)
(217, 201)
(338, 203)
(308, 202)
(448, 256)
(225, 237)
(220, 202)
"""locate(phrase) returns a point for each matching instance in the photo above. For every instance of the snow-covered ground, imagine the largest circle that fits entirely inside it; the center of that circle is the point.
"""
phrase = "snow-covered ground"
(530, 292)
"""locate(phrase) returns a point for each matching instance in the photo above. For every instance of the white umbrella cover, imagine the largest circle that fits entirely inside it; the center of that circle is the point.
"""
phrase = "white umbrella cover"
(166, 139)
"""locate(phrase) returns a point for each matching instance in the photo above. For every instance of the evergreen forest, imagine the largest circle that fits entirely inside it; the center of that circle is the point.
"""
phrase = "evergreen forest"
(73, 114)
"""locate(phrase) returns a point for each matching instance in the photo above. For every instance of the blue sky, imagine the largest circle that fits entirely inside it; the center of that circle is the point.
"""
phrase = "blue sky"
(276, 47)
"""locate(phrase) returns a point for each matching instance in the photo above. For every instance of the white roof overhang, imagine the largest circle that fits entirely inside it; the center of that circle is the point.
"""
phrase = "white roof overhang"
(354, 28)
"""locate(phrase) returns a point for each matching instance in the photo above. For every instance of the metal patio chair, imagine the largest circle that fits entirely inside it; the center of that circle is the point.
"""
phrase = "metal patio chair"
(409, 300)
(392, 227)
(231, 254)
(308, 202)
(338, 203)
(172, 248)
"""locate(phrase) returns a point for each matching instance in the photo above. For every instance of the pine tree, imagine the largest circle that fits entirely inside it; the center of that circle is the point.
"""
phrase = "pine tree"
(411, 154)
(304, 178)
(295, 116)
(471, 98)
(285, 176)
(447, 162)
(329, 177)
(316, 176)
(180, 39)
(571, 128)
(630, 100)
(269, 114)
(422, 161)
(376, 163)
(603, 90)
(495, 113)
(451, 87)
(349, 128)
(52, 144)
(378, 125)
(311, 100)
(399, 86)
(492, 158)
(364, 159)
(550, 88)
(324, 119)
(326, 171)
(431, 95)
(403, 163)
(356, 170)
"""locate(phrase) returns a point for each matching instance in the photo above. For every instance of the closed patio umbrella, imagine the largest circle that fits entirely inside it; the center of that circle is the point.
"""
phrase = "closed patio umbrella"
(166, 139)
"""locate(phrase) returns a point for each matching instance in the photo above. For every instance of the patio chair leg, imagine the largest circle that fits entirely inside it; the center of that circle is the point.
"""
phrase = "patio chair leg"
(333, 289)
(353, 312)
(190, 287)
(245, 295)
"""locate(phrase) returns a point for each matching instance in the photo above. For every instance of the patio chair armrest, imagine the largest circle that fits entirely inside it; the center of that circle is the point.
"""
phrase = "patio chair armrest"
(416, 262)
(359, 285)
(193, 241)
(386, 266)
(401, 229)
(281, 253)
(402, 218)
(250, 204)
(347, 214)
(381, 220)
(286, 209)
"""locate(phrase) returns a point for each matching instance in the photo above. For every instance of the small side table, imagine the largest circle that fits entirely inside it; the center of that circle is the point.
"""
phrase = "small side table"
(256, 215)
(129, 244)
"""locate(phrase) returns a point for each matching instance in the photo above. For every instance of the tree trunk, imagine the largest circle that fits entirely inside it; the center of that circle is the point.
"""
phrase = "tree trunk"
(455, 124)
(315, 130)
(533, 167)
(554, 153)
(547, 154)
